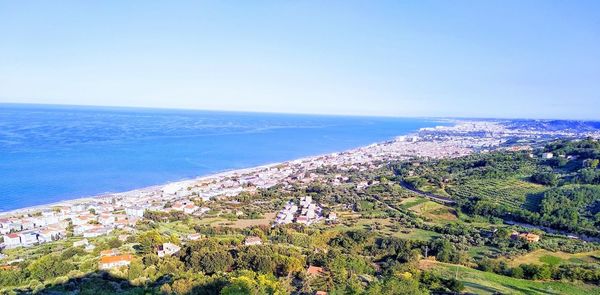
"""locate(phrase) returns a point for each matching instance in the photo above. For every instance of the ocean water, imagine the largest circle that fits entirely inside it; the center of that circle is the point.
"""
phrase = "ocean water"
(54, 153)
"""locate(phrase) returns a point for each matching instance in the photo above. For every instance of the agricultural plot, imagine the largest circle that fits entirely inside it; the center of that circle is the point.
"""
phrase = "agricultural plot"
(480, 282)
(512, 192)
(555, 258)
(434, 211)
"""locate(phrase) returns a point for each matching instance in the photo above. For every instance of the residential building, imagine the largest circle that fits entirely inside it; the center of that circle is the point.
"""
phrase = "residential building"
(12, 240)
(108, 262)
(250, 241)
(167, 249)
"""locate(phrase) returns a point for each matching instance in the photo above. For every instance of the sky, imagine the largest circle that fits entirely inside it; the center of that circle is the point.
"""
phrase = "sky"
(500, 59)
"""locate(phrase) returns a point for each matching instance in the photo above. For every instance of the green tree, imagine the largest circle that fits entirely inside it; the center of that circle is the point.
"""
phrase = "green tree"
(48, 266)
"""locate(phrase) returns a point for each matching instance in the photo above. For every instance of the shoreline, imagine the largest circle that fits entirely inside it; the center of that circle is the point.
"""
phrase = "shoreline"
(221, 174)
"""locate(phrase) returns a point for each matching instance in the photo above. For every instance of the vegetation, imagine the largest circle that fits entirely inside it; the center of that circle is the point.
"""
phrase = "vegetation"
(389, 239)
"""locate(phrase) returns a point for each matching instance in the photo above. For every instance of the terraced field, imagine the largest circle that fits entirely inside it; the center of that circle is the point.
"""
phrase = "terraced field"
(513, 192)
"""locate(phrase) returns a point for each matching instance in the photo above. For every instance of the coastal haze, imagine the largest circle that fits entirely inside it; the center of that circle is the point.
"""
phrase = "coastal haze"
(55, 153)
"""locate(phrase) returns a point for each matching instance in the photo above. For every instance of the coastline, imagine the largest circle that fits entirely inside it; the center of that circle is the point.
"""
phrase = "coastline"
(457, 138)
(222, 174)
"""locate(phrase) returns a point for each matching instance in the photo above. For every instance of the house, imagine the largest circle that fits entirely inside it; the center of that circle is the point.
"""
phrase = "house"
(81, 243)
(109, 252)
(135, 211)
(302, 220)
(28, 239)
(332, 216)
(50, 234)
(5, 223)
(83, 219)
(320, 293)
(251, 241)
(106, 219)
(179, 206)
(190, 208)
(96, 232)
(89, 248)
(12, 240)
(167, 249)
(314, 270)
(547, 155)
(27, 223)
(193, 237)
(530, 237)
(108, 262)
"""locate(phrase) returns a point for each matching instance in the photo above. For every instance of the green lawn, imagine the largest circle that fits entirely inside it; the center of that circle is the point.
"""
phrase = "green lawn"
(551, 260)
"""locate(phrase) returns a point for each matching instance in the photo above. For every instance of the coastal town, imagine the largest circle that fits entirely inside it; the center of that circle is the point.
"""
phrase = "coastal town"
(93, 217)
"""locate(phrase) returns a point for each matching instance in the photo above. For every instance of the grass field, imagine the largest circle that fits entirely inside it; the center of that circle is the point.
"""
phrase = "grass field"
(383, 226)
(513, 192)
(555, 258)
(434, 211)
(411, 202)
(479, 282)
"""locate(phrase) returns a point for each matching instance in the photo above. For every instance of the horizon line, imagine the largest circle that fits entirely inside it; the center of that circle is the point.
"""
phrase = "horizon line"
(291, 113)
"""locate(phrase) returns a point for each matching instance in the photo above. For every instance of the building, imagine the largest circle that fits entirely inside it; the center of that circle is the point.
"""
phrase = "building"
(50, 234)
(167, 249)
(89, 248)
(332, 216)
(190, 208)
(547, 155)
(529, 237)
(12, 240)
(108, 262)
(314, 271)
(251, 241)
(28, 239)
(135, 211)
(194, 237)
(109, 252)
(81, 243)
(302, 220)
(96, 232)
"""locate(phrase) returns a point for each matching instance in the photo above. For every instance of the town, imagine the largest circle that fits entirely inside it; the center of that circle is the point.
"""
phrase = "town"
(98, 216)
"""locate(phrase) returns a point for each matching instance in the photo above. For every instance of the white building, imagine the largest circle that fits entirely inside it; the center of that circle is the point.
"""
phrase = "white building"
(12, 240)
(28, 239)
(167, 249)
(547, 155)
(135, 211)
(251, 241)
(81, 243)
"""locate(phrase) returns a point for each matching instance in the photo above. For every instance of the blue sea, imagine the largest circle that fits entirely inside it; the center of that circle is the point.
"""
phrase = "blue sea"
(54, 153)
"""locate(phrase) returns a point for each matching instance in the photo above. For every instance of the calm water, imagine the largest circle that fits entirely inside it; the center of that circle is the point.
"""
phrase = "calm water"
(53, 153)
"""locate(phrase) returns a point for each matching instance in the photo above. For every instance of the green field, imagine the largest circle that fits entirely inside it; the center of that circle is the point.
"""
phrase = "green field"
(513, 192)
(480, 282)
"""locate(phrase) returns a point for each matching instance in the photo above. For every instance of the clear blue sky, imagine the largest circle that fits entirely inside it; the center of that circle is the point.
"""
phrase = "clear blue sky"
(537, 59)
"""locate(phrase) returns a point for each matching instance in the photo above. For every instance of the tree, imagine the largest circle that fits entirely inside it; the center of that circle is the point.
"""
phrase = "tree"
(544, 178)
(249, 283)
(149, 241)
(136, 269)
(48, 266)
(216, 261)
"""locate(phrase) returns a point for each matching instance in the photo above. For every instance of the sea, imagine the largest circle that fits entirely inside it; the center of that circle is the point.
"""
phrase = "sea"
(51, 153)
